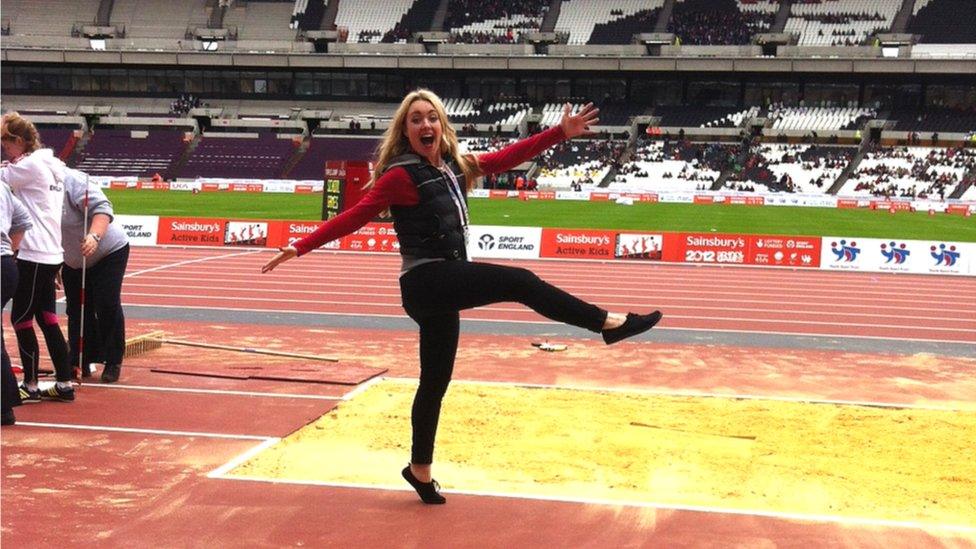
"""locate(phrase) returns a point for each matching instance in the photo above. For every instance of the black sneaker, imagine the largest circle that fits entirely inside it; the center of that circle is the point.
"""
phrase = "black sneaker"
(429, 492)
(28, 396)
(634, 325)
(7, 418)
(57, 393)
(110, 374)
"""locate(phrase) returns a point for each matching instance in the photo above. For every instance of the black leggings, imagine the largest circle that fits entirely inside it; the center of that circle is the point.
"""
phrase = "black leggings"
(104, 321)
(434, 293)
(34, 299)
(8, 283)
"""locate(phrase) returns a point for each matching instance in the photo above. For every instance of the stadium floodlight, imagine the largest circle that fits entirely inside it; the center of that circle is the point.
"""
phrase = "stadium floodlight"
(209, 45)
(97, 44)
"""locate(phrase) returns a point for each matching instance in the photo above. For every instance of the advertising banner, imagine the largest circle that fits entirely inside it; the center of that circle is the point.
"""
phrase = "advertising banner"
(246, 233)
(285, 233)
(639, 246)
(708, 248)
(504, 242)
(577, 244)
(784, 251)
(190, 231)
(140, 229)
(897, 255)
(374, 237)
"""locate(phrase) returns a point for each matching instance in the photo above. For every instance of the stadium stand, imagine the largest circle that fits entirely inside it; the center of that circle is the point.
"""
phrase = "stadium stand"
(806, 169)
(261, 20)
(840, 22)
(717, 22)
(48, 17)
(703, 117)
(934, 120)
(611, 114)
(664, 166)
(819, 118)
(924, 172)
(126, 152)
(622, 29)
(370, 20)
(474, 111)
(323, 148)
(579, 18)
(60, 140)
(148, 19)
(583, 162)
(483, 144)
(492, 21)
(944, 21)
(418, 18)
(259, 155)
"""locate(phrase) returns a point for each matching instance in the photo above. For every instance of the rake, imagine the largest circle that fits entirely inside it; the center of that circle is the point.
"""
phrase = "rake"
(154, 340)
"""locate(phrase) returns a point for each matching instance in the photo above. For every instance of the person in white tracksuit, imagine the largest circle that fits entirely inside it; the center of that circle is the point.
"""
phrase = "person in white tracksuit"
(36, 176)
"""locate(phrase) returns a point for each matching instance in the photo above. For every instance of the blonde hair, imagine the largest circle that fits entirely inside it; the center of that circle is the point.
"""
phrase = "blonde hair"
(17, 127)
(395, 143)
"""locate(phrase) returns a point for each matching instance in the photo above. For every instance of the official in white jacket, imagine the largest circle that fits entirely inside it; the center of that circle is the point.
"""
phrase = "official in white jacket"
(36, 176)
(105, 250)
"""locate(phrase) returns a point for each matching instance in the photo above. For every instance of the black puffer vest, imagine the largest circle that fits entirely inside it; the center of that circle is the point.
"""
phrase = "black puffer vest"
(434, 227)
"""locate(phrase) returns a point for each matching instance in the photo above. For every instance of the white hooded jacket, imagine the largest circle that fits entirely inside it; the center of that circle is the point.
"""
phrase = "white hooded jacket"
(38, 181)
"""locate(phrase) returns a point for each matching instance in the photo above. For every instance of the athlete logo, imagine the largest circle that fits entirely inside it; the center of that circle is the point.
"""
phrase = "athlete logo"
(945, 257)
(845, 252)
(486, 242)
(895, 254)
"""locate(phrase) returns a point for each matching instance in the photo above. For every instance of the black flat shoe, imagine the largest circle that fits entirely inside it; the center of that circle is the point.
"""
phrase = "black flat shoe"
(429, 492)
(635, 324)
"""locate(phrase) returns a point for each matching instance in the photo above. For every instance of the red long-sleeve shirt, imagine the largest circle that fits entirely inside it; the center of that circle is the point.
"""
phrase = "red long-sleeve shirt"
(395, 188)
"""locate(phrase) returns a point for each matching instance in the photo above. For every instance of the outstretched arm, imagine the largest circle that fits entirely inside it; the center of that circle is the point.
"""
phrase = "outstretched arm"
(394, 188)
(571, 125)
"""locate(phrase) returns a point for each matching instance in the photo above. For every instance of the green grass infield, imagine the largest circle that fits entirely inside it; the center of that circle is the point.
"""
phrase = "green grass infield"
(582, 215)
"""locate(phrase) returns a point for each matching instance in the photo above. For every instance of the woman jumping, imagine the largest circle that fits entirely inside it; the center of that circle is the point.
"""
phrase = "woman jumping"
(422, 178)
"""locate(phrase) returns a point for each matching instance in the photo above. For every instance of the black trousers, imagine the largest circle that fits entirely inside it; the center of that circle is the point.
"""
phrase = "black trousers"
(34, 300)
(104, 320)
(434, 293)
(8, 283)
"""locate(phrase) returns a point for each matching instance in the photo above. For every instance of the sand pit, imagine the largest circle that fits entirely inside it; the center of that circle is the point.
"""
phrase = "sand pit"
(758, 455)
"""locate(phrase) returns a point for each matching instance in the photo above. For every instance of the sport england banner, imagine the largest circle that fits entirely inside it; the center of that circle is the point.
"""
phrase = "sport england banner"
(504, 242)
(892, 255)
(139, 229)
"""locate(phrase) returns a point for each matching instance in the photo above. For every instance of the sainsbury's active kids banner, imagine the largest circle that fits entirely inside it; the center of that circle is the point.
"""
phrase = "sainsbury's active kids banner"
(897, 255)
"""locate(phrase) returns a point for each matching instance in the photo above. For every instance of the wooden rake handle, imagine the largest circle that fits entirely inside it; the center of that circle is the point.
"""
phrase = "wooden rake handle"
(248, 350)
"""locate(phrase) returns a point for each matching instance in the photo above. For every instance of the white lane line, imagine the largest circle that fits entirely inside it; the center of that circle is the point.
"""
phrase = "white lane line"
(211, 391)
(833, 519)
(551, 323)
(219, 472)
(501, 309)
(696, 394)
(362, 387)
(189, 261)
(135, 430)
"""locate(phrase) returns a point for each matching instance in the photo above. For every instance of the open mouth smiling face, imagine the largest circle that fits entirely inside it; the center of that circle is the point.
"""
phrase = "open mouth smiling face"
(423, 130)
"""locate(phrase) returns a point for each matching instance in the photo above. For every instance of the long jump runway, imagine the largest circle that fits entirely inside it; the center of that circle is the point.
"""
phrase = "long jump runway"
(149, 461)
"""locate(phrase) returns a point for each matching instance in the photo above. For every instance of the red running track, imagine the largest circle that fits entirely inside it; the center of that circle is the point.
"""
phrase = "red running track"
(736, 299)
